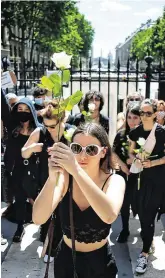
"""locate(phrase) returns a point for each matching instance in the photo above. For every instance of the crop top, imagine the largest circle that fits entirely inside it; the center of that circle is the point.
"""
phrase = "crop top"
(88, 227)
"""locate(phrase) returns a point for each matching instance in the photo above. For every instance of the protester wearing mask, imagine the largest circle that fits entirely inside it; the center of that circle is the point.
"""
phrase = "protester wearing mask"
(24, 121)
(93, 102)
(40, 97)
(132, 100)
(160, 115)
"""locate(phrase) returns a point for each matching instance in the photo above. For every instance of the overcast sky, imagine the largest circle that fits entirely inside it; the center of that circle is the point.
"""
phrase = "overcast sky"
(114, 20)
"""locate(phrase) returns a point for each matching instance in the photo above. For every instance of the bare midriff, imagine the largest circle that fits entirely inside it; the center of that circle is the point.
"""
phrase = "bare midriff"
(85, 247)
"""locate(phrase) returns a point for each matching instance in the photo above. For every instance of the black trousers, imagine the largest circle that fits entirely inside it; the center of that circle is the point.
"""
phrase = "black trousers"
(95, 264)
(147, 221)
(129, 198)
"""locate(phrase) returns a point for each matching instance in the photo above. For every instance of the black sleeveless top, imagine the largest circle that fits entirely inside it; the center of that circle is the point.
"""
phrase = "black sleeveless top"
(88, 227)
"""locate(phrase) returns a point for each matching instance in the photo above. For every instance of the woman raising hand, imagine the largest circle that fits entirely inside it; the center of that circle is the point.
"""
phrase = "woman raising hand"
(96, 198)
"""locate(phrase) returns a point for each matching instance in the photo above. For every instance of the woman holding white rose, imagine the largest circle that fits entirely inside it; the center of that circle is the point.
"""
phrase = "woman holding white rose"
(93, 102)
(90, 199)
(121, 155)
(150, 162)
(38, 143)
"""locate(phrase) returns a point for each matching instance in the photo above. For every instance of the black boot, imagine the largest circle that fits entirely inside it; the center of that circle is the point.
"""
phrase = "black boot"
(19, 233)
(123, 236)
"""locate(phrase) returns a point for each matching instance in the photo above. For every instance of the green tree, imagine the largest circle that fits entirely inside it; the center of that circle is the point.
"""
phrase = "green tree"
(150, 41)
(141, 44)
(158, 38)
(76, 35)
(33, 19)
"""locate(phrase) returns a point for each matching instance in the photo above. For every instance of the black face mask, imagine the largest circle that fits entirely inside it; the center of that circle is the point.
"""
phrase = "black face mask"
(24, 117)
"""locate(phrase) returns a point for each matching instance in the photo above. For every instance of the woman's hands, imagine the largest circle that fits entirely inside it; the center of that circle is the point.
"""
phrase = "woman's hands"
(147, 164)
(61, 157)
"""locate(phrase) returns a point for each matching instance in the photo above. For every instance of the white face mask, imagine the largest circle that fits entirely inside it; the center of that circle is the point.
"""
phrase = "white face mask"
(161, 115)
(39, 101)
(133, 103)
(47, 99)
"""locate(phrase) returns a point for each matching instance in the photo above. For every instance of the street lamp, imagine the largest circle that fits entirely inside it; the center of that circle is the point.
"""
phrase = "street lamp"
(148, 60)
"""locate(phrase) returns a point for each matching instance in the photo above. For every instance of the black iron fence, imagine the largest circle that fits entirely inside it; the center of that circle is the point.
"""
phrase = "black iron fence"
(106, 78)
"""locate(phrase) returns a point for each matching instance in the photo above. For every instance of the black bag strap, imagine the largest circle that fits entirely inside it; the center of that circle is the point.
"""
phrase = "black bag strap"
(72, 224)
(50, 238)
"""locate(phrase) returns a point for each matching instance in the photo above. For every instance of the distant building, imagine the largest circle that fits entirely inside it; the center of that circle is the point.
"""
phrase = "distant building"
(110, 56)
(123, 49)
(11, 47)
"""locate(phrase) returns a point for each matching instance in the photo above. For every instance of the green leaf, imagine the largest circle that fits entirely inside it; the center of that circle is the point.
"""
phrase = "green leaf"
(47, 83)
(64, 103)
(84, 113)
(58, 112)
(65, 76)
(136, 151)
(67, 137)
(55, 78)
(41, 86)
(73, 100)
(56, 90)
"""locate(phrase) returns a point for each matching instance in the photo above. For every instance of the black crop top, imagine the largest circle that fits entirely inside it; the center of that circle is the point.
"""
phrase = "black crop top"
(88, 227)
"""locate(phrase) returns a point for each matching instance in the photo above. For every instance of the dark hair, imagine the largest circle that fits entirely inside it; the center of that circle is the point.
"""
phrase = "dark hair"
(151, 103)
(135, 109)
(48, 112)
(100, 134)
(39, 92)
(90, 95)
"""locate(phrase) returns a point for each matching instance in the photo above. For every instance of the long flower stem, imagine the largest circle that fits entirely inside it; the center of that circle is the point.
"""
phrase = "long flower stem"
(58, 175)
(139, 181)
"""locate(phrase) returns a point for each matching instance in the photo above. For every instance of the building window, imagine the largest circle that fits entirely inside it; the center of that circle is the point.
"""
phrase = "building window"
(11, 51)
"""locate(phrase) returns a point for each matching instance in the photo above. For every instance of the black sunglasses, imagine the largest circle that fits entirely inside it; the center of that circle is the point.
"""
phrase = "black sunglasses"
(51, 126)
(134, 99)
(96, 98)
(147, 114)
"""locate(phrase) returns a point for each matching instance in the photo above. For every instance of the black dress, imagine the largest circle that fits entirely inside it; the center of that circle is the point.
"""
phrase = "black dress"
(120, 147)
(15, 168)
(151, 196)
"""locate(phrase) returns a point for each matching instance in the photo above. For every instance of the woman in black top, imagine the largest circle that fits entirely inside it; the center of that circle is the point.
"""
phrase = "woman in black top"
(120, 149)
(23, 122)
(96, 99)
(151, 195)
(96, 201)
(39, 142)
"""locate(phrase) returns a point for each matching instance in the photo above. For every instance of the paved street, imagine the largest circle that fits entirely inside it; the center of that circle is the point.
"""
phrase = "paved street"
(23, 260)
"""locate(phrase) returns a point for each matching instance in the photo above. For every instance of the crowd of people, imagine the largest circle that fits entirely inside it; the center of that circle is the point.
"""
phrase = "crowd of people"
(80, 187)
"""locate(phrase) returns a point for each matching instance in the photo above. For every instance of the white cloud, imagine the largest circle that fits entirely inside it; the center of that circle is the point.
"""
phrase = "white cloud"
(150, 12)
(114, 6)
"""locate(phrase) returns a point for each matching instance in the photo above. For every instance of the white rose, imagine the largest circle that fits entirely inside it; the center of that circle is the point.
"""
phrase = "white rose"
(61, 60)
(69, 133)
(141, 141)
(91, 106)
